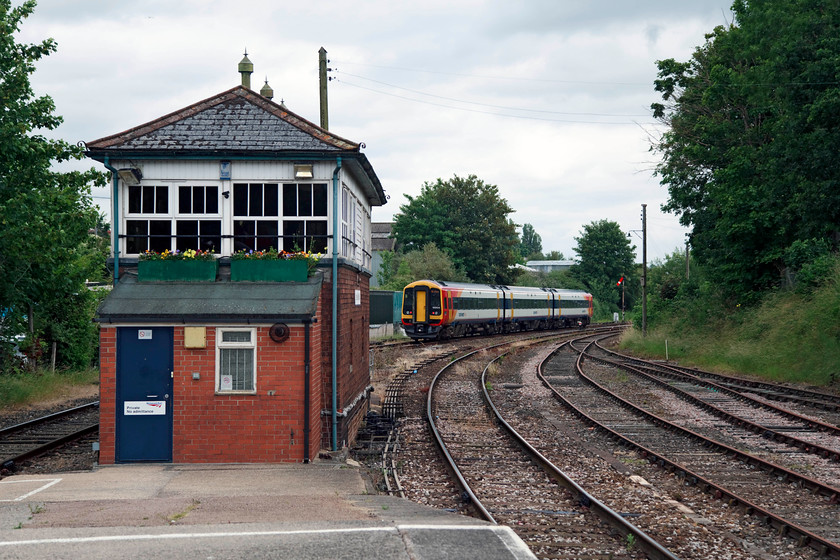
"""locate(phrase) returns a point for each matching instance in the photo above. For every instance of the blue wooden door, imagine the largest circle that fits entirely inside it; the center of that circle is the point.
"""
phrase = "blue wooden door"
(144, 394)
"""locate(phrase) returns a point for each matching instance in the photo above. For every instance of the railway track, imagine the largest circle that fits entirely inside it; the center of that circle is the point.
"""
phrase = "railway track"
(819, 400)
(796, 505)
(795, 400)
(508, 481)
(402, 419)
(30, 439)
(770, 421)
(690, 521)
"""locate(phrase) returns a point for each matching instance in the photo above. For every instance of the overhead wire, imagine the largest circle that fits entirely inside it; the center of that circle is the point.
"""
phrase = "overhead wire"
(495, 113)
(503, 111)
(503, 78)
(508, 108)
(518, 109)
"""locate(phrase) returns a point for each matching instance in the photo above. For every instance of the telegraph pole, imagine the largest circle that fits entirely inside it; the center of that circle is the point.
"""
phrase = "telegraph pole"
(687, 260)
(644, 269)
(322, 87)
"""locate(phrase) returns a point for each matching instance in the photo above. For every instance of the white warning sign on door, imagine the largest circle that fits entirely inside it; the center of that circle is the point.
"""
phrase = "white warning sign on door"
(144, 408)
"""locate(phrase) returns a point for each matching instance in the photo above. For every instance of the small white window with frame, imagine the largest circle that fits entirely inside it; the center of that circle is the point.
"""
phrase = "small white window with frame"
(236, 359)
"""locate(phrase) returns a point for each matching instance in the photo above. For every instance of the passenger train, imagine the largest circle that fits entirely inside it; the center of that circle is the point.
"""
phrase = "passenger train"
(441, 310)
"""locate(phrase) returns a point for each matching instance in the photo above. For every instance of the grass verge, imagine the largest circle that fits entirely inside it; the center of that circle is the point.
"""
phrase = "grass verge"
(789, 337)
(25, 388)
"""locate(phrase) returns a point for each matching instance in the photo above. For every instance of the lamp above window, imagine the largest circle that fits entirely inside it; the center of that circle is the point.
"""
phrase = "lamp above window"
(303, 171)
(130, 175)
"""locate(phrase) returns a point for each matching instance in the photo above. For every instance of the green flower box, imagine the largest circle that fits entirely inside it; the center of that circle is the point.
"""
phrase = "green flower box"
(264, 270)
(177, 271)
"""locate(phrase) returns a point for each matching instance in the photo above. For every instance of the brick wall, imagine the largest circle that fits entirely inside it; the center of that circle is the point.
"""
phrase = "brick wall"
(236, 428)
(230, 428)
(353, 374)
(107, 394)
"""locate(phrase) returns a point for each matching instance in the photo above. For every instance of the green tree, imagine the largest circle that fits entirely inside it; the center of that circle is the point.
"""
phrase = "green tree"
(468, 220)
(400, 269)
(753, 132)
(553, 256)
(530, 246)
(677, 298)
(45, 215)
(605, 254)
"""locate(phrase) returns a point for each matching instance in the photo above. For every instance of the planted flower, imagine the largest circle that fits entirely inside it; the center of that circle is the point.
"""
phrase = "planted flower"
(177, 266)
(176, 255)
(272, 265)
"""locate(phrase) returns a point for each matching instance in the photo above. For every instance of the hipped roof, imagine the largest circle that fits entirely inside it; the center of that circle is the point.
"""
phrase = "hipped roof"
(237, 123)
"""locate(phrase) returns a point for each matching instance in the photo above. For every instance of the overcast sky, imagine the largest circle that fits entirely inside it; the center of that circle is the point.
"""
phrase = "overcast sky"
(546, 99)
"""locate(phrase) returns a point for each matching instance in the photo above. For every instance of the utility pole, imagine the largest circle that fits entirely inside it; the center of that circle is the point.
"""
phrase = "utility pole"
(687, 260)
(644, 269)
(322, 74)
(622, 297)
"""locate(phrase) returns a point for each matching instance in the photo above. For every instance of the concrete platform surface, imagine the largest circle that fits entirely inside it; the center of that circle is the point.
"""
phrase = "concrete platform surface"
(320, 510)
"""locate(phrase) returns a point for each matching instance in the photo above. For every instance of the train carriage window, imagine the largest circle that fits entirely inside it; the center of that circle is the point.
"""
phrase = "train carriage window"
(434, 302)
(408, 301)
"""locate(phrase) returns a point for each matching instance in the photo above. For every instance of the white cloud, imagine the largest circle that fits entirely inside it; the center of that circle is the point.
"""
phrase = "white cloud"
(542, 63)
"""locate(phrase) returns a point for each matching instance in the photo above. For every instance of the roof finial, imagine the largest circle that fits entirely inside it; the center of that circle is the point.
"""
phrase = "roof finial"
(246, 68)
(266, 90)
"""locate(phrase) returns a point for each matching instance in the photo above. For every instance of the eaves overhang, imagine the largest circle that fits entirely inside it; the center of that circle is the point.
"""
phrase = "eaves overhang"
(223, 302)
(358, 162)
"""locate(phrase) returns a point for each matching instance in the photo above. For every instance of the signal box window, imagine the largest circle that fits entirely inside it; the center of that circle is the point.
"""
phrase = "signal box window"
(190, 220)
(270, 215)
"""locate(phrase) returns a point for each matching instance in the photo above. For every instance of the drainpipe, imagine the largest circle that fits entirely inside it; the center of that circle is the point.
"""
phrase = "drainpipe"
(115, 218)
(306, 395)
(336, 238)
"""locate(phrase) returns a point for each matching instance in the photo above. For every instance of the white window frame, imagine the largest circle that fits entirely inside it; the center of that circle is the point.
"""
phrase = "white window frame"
(220, 345)
(173, 214)
(351, 215)
(307, 217)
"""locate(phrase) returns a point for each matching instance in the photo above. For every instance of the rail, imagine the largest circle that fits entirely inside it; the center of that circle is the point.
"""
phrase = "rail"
(784, 526)
(17, 443)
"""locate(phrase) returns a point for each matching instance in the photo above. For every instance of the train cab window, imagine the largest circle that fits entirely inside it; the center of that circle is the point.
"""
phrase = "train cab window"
(434, 302)
(408, 301)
